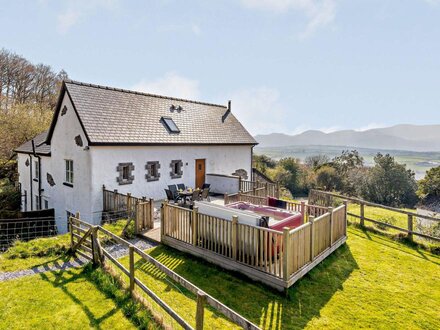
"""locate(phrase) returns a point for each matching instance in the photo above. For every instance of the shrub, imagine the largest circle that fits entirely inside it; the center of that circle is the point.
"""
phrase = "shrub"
(430, 184)
(10, 198)
(328, 178)
(390, 220)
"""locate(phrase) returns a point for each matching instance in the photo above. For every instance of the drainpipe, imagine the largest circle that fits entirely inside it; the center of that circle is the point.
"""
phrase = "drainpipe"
(31, 184)
(39, 172)
(252, 163)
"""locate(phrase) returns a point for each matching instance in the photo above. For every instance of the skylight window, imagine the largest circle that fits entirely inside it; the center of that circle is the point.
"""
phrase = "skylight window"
(170, 125)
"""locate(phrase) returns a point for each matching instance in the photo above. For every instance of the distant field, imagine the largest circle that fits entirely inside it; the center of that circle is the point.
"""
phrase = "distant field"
(419, 162)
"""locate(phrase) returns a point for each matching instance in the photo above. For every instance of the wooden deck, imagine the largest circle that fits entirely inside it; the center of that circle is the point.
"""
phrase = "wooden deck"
(152, 235)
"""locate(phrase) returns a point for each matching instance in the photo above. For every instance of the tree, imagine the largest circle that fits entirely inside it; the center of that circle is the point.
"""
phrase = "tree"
(390, 183)
(327, 178)
(316, 161)
(263, 162)
(430, 184)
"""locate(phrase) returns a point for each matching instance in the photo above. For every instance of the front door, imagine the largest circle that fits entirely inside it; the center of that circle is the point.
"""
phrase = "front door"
(200, 173)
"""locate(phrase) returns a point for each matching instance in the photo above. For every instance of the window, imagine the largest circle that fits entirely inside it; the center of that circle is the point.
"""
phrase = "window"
(37, 202)
(46, 204)
(125, 173)
(69, 171)
(170, 125)
(37, 170)
(176, 169)
(152, 171)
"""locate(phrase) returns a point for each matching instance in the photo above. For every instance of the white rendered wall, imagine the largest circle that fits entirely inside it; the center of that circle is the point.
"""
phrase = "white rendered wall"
(105, 159)
(222, 184)
(63, 198)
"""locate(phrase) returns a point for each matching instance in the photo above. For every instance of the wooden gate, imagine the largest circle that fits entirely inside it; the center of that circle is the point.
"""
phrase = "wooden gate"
(144, 218)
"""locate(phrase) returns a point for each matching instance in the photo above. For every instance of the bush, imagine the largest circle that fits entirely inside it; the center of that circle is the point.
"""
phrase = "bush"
(10, 198)
(327, 178)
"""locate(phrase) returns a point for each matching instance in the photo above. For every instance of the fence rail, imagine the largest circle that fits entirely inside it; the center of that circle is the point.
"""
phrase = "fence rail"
(90, 236)
(276, 258)
(258, 188)
(327, 198)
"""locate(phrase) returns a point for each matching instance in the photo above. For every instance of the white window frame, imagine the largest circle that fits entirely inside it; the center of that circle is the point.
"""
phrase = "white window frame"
(69, 171)
(37, 170)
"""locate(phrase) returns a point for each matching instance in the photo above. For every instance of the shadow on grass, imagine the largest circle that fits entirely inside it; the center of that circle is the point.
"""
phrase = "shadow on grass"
(258, 303)
(60, 280)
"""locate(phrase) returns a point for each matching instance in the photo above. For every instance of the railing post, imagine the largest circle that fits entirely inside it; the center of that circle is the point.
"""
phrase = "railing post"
(151, 214)
(162, 219)
(362, 205)
(200, 312)
(104, 200)
(312, 237)
(266, 191)
(239, 184)
(128, 203)
(286, 253)
(234, 236)
(278, 190)
(410, 227)
(131, 253)
(71, 232)
(137, 218)
(345, 216)
(303, 211)
(195, 212)
(226, 199)
(330, 211)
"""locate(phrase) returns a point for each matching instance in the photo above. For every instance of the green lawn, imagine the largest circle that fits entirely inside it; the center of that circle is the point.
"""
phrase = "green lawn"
(73, 299)
(372, 281)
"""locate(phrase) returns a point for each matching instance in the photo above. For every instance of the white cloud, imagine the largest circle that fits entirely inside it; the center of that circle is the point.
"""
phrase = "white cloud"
(171, 84)
(319, 13)
(259, 109)
(76, 10)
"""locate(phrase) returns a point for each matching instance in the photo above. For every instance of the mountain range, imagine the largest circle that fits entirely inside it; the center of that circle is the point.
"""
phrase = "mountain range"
(399, 137)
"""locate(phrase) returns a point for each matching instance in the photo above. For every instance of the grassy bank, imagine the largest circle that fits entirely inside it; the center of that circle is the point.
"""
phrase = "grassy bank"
(372, 281)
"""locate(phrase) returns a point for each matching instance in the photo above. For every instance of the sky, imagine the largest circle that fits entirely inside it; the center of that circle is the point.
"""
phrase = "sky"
(286, 65)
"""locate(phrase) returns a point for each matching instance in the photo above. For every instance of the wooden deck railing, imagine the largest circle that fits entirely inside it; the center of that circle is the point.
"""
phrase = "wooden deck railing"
(273, 257)
(86, 241)
(257, 188)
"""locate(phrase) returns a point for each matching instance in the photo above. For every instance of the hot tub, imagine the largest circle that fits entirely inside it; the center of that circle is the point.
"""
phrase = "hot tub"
(278, 218)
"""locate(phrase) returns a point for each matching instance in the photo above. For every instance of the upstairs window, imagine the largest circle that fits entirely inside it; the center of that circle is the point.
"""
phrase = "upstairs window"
(37, 170)
(170, 125)
(69, 171)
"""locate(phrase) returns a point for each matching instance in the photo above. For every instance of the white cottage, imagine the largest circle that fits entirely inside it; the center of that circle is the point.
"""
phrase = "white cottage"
(130, 141)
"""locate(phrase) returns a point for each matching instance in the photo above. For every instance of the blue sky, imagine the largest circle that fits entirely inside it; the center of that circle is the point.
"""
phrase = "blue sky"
(287, 65)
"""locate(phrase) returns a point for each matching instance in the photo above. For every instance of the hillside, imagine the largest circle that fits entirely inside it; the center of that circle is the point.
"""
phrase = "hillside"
(399, 137)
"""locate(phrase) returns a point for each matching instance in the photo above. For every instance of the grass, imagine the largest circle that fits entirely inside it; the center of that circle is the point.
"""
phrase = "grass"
(72, 299)
(372, 281)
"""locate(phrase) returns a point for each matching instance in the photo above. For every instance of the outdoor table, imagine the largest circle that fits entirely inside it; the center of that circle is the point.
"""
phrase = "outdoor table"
(185, 194)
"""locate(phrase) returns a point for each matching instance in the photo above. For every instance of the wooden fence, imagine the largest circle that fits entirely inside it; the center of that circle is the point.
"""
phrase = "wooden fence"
(86, 241)
(258, 188)
(117, 205)
(327, 198)
(275, 258)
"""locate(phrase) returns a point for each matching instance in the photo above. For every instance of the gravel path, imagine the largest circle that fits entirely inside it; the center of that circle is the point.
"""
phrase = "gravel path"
(116, 250)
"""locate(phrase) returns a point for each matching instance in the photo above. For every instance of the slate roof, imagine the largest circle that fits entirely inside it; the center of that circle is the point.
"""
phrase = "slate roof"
(113, 116)
(41, 147)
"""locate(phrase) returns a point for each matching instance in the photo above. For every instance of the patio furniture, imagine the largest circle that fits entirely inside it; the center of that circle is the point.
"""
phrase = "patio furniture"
(195, 196)
(173, 189)
(205, 194)
(184, 194)
(181, 186)
(206, 185)
(172, 197)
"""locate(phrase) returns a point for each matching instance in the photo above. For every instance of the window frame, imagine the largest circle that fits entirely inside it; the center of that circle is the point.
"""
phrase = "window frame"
(153, 173)
(128, 168)
(69, 173)
(36, 170)
(170, 125)
(176, 166)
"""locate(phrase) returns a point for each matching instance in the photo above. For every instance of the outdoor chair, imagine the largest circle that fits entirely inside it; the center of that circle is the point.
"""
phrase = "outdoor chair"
(174, 191)
(205, 195)
(206, 185)
(171, 197)
(195, 196)
(181, 186)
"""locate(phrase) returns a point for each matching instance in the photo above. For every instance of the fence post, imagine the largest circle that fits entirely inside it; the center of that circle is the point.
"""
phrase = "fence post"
(312, 237)
(330, 210)
(128, 203)
(239, 183)
(71, 232)
(303, 211)
(278, 190)
(136, 218)
(362, 205)
(195, 212)
(286, 248)
(234, 236)
(104, 200)
(410, 227)
(200, 312)
(266, 190)
(345, 216)
(131, 253)
(162, 218)
(226, 199)
(151, 214)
